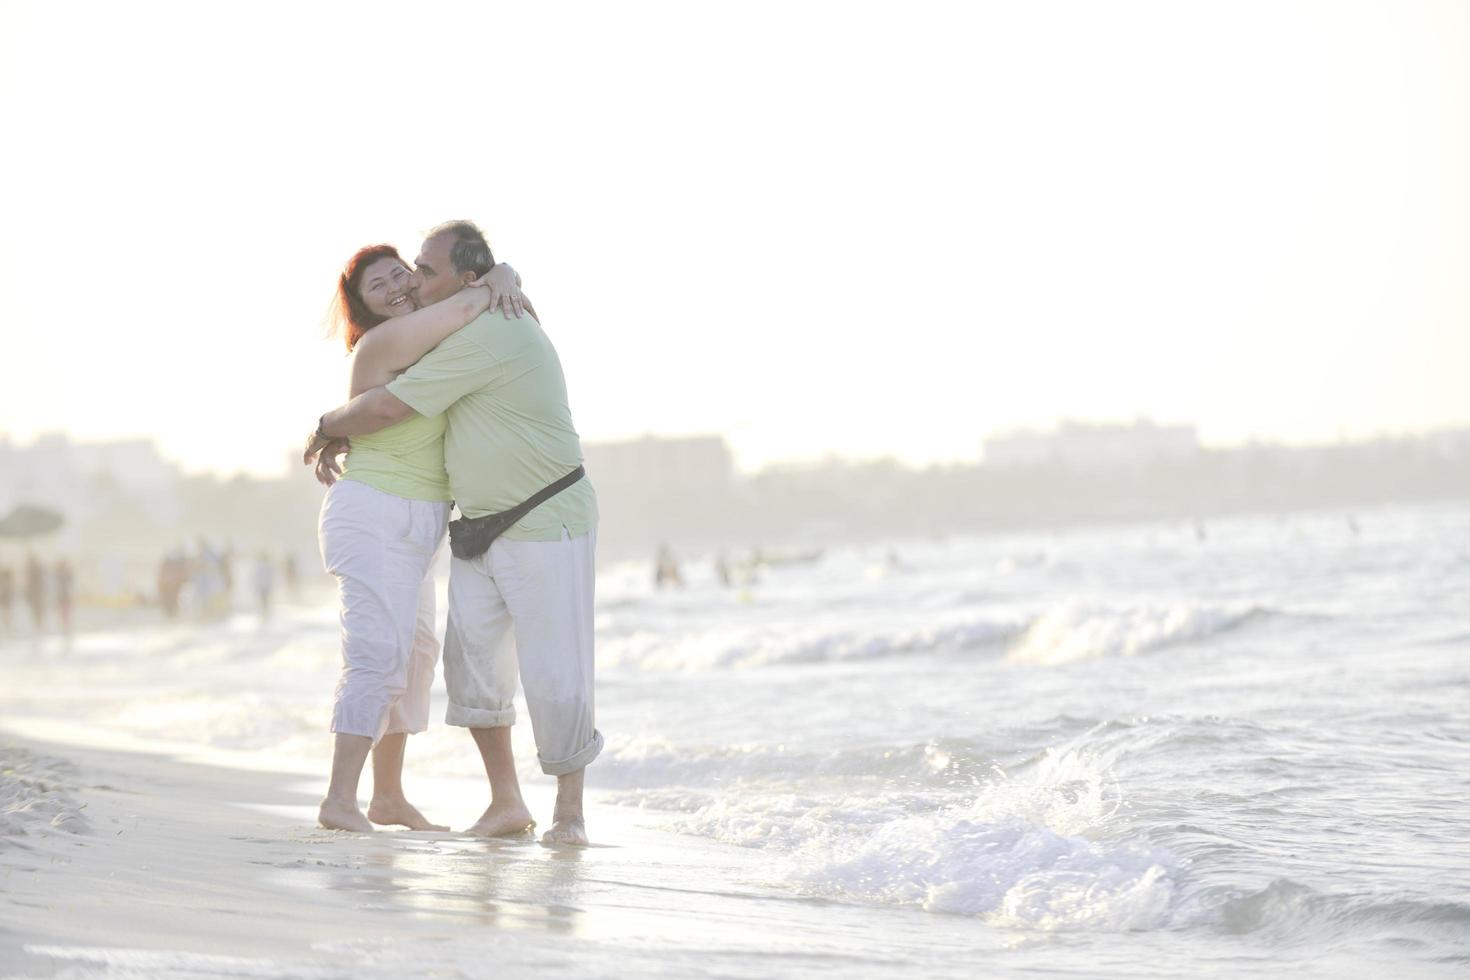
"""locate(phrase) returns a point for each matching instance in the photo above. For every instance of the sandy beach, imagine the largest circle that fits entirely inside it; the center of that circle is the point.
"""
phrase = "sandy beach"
(130, 864)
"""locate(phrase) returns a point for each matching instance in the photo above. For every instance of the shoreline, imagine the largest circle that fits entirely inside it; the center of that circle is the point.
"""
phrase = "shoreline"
(119, 863)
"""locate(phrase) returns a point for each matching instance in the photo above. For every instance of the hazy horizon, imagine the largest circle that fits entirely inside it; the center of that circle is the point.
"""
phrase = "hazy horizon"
(818, 230)
(289, 455)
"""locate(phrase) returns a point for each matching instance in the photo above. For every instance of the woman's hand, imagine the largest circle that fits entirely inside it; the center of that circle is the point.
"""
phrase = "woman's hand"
(315, 443)
(319, 443)
(505, 290)
(329, 464)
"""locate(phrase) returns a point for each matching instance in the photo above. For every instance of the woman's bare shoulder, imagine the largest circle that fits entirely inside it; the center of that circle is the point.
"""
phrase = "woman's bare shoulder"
(366, 344)
(367, 371)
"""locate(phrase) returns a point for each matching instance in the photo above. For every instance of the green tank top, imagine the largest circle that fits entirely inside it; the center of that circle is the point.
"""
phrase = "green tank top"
(405, 459)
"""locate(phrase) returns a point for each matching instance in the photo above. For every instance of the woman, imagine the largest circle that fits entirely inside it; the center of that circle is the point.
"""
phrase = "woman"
(381, 526)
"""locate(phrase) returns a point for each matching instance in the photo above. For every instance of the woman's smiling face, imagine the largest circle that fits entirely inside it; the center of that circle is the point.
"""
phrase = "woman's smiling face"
(387, 287)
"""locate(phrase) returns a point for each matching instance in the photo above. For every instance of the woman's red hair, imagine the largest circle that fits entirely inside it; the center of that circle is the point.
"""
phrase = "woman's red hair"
(351, 314)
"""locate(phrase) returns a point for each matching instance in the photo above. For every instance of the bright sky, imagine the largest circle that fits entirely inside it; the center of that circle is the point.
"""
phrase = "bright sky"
(862, 229)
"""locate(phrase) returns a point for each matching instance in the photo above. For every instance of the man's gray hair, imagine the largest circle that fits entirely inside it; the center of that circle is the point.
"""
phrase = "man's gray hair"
(468, 250)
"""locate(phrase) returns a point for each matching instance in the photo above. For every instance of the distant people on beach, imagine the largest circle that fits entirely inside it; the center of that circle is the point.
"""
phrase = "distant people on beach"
(292, 576)
(666, 573)
(35, 591)
(265, 584)
(173, 574)
(226, 565)
(64, 580)
(42, 595)
(208, 582)
(198, 584)
(7, 598)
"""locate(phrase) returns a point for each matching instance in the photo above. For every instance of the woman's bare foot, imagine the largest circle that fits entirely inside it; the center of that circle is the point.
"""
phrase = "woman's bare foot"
(336, 815)
(568, 831)
(503, 820)
(400, 813)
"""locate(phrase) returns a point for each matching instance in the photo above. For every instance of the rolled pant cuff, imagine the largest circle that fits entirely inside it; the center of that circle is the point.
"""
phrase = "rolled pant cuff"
(358, 730)
(357, 723)
(579, 761)
(464, 716)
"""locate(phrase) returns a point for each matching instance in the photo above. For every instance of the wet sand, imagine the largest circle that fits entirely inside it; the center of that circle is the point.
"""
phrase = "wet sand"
(126, 864)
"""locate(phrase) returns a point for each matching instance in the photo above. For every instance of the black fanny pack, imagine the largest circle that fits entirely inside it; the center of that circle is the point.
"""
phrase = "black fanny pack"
(471, 537)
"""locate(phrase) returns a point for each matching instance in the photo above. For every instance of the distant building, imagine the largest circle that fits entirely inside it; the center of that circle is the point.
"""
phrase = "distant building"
(84, 479)
(1084, 446)
(1450, 443)
(693, 464)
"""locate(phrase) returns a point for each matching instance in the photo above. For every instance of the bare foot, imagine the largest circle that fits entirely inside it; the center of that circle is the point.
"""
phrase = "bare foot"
(567, 824)
(335, 815)
(566, 831)
(400, 813)
(503, 821)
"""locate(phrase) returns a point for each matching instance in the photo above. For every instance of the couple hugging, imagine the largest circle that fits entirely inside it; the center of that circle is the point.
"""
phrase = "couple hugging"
(455, 402)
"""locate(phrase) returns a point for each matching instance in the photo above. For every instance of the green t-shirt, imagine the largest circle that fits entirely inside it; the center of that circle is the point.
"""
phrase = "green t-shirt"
(406, 460)
(510, 431)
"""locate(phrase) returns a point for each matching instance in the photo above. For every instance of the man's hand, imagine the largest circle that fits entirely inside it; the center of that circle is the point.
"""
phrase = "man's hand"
(505, 290)
(329, 464)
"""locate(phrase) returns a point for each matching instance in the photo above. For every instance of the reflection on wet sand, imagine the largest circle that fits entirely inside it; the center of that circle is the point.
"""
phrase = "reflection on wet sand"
(649, 887)
(514, 884)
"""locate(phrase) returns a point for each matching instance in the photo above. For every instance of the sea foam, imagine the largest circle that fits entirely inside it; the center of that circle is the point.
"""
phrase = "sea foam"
(1082, 631)
(1043, 849)
(819, 640)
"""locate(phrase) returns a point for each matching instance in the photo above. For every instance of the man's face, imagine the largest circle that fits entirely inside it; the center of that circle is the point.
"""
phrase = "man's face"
(434, 277)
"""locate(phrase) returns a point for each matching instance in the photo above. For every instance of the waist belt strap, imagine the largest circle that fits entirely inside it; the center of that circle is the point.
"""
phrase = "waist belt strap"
(544, 494)
(471, 537)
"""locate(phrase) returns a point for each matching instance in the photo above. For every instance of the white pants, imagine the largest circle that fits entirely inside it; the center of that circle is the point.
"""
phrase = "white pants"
(381, 548)
(526, 607)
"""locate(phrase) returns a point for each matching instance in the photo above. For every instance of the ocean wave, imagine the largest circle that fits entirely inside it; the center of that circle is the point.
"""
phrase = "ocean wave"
(1064, 633)
(246, 720)
(1012, 874)
(1084, 631)
(1290, 910)
(1041, 850)
(793, 643)
(648, 764)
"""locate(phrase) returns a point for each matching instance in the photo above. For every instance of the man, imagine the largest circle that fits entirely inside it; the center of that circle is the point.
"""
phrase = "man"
(526, 604)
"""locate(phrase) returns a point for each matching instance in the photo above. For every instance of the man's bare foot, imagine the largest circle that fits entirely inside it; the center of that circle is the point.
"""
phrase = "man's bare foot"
(400, 813)
(505, 820)
(567, 831)
(335, 815)
(567, 824)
